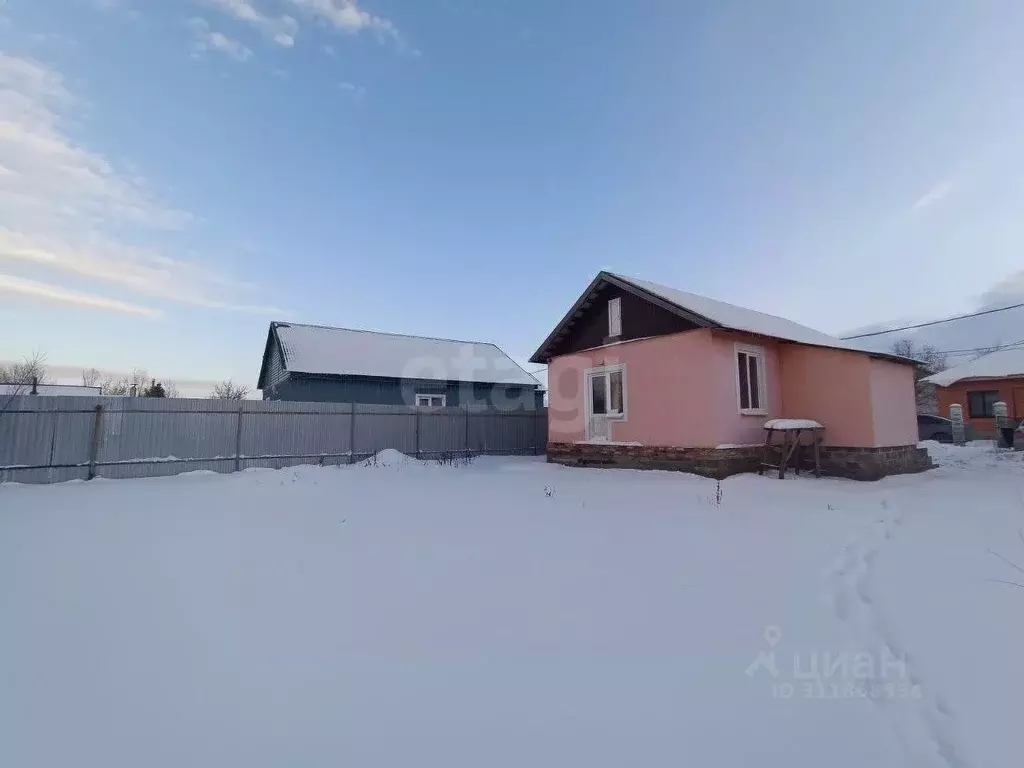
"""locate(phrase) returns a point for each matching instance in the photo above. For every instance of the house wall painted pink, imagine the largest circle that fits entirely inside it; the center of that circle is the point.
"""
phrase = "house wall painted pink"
(667, 391)
(894, 403)
(832, 386)
(681, 391)
(732, 427)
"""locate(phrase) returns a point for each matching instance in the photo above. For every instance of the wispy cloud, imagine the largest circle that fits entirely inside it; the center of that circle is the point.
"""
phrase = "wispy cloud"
(49, 178)
(353, 90)
(67, 209)
(346, 16)
(280, 29)
(56, 295)
(138, 269)
(933, 195)
(121, 8)
(1009, 290)
(205, 39)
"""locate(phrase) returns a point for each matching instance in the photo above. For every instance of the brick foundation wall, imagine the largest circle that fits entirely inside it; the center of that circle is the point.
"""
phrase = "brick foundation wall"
(709, 462)
(853, 463)
(873, 463)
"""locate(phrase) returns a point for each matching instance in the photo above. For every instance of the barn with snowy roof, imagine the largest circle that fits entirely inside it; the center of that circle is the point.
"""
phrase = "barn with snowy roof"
(313, 363)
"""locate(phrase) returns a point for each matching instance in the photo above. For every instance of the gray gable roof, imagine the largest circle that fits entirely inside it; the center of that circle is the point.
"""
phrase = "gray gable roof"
(325, 351)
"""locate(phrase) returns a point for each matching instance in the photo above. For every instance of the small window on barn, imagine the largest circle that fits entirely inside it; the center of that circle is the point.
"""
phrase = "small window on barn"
(615, 317)
(431, 401)
(750, 378)
(979, 404)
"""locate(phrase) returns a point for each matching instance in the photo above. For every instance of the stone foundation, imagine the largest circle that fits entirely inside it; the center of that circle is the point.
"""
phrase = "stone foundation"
(853, 463)
(709, 462)
(873, 463)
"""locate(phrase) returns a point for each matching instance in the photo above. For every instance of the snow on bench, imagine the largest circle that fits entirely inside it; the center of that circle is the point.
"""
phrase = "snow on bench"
(792, 424)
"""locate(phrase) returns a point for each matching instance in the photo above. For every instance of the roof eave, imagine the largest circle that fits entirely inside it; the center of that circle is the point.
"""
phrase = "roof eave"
(312, 374)
(271, 335)
(961, 379)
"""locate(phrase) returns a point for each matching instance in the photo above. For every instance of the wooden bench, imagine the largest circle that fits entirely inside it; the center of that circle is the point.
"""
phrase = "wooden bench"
(791, 447)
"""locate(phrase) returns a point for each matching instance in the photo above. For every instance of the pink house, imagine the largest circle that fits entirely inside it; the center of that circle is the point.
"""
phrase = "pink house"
(645, 376)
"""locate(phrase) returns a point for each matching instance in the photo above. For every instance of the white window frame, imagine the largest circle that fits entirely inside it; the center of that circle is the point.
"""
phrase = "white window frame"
(605, 370)
(614, 317)
(762, 388)
(429, 397)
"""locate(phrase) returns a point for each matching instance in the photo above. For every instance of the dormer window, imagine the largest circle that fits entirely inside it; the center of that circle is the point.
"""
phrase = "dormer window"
(615, 317)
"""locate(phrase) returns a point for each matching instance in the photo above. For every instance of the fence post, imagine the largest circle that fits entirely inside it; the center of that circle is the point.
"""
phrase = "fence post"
(53, 437)
(1004, 431)
(94, 446)
(956, 415)
(352, 436)
(469, 451)
(417, 418)
(238, 439)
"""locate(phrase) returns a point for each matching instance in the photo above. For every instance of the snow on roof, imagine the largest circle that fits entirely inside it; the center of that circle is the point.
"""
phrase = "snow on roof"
(51, 390)
(344, 352)
(996, 365)
(741, 319)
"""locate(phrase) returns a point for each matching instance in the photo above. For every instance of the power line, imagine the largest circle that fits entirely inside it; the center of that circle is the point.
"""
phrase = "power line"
(993, 348)
(933, 322)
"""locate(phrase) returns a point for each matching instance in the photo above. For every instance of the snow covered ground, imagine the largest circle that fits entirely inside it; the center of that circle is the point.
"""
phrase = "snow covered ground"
(513, 614)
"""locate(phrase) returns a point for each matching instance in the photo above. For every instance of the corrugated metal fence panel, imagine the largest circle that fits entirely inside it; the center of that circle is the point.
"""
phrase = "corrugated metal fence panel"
(442, 431)
(541, 427)
(385, 426)
(73, 437)
(38, 431)
(307, 432)
(135, 429)
(25, 438)
(501, 433)
(142, 437)
(147, 437)
(163, 468)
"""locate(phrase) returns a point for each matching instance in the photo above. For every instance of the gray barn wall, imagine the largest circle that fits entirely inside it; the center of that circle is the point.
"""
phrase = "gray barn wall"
(276, 372)
(380, 391)
(50, 439)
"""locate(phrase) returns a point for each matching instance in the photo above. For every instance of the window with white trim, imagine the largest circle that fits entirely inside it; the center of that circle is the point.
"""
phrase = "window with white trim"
(615, 317)
(608, 391)
(750, 378)
(431, 401)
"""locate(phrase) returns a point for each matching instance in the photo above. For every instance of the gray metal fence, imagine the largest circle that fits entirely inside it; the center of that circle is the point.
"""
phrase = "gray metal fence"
(53, 439)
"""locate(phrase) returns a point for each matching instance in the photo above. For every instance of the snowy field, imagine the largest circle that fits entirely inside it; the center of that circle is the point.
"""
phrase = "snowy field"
(513, 614)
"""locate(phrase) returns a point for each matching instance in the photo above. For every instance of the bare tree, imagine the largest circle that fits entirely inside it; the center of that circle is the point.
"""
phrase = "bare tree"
(28, 370)
(930, 361)
(228, 390)
(91, 378)
(132, 384)
(22, 375)
(135, 384)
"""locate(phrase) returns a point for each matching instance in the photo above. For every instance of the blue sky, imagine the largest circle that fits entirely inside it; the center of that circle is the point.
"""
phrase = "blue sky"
(176, 173)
